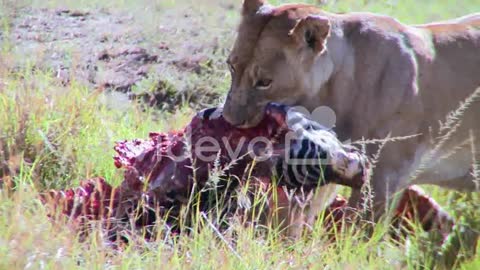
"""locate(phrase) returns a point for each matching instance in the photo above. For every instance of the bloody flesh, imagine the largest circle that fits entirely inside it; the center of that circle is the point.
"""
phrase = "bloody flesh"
(162, 172)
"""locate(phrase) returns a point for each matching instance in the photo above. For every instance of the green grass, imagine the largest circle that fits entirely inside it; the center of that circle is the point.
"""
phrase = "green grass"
(407, 11)
(52, 136)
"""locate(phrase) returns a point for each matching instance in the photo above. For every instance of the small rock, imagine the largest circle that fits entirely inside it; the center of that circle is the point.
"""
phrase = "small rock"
(103, 38)
(104, 56)
(163, 46)
(78, 13)
(63, 75)
(61, 11)
(142, 71)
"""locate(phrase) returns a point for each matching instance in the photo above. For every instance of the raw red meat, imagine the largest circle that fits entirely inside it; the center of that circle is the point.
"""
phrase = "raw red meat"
(162, 172)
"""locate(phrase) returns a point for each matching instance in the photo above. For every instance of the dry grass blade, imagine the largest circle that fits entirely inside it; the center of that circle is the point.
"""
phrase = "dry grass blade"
(385, 140)
(475, 162)
(456, 115)
(219, 234)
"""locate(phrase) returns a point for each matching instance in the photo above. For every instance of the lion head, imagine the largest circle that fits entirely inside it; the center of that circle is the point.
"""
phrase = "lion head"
(273, 58)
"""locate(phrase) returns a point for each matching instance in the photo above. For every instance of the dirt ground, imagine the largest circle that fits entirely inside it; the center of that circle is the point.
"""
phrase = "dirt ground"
(162, 64)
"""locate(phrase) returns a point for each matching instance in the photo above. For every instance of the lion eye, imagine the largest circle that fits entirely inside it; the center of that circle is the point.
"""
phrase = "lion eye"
(231, 67)
(263, 84)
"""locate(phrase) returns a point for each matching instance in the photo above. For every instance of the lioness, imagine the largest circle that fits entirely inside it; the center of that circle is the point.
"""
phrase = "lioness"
(381, 77)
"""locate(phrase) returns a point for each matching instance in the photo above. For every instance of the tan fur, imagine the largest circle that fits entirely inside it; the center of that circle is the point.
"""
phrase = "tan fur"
(381, 77)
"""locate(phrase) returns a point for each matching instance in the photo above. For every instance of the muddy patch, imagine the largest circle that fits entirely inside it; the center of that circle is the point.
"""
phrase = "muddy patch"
(179, 64)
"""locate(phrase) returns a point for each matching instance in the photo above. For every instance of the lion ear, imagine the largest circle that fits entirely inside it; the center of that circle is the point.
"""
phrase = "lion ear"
(250, 7)
(312, 31)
